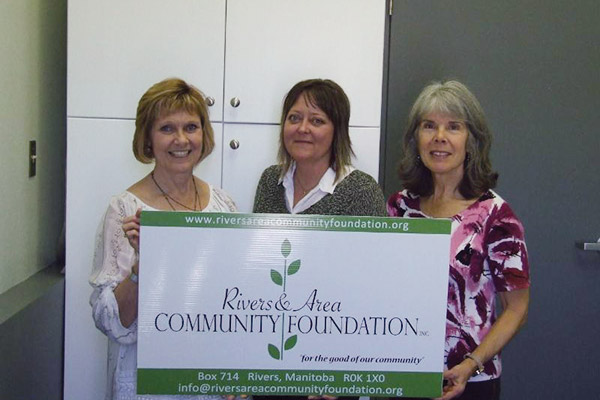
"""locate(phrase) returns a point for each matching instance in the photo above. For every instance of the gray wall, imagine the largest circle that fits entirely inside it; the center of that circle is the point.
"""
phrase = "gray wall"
(534, 67)
(31, 338)
(32, 107)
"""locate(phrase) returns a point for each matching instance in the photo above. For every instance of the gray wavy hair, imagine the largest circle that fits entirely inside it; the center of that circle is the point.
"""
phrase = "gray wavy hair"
(452, 98)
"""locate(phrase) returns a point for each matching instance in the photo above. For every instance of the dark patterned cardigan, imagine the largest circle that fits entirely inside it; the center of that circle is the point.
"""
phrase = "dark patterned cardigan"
(357, 194)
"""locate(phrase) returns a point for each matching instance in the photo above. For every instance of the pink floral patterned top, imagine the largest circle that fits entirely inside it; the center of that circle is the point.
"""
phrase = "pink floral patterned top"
(487, 255)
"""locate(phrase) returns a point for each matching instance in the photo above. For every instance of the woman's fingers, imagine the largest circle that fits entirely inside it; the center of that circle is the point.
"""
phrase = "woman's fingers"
(131, 229)
(456, 379)
(134, 241)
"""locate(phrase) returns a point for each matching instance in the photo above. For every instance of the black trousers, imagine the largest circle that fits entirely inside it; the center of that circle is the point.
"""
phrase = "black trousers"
(485, 390)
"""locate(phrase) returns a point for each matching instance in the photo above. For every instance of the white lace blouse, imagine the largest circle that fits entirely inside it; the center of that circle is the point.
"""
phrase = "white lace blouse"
(113, 259)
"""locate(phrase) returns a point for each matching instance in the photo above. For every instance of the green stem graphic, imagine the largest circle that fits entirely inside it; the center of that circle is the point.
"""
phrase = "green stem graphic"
(282, 334)
(284, 273)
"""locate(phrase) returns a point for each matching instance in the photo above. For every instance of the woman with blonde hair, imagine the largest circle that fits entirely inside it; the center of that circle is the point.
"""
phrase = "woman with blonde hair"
(173, 131)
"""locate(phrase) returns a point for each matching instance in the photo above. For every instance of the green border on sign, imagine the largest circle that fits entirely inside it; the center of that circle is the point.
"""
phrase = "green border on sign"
(297, 222)
(289, 382)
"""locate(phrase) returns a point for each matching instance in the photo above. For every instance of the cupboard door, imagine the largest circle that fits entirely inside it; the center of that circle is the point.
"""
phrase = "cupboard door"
(272, 44)
(119, 48)
(242, 165)
(365, 143)
(100, 164)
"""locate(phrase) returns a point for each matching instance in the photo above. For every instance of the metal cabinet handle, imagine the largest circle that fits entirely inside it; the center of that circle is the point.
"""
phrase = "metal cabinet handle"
(587, 246)
(234, 144)
(235, 102)
(210, 101)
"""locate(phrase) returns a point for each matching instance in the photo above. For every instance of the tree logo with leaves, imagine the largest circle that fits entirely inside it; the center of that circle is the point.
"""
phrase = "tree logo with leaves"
(280, 279)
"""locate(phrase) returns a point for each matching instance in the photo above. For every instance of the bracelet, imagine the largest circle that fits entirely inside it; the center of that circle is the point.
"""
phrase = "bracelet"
(479, 369)
(133, 277)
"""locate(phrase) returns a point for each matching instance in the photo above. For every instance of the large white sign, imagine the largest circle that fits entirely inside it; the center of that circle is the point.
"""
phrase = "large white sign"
(291, 305)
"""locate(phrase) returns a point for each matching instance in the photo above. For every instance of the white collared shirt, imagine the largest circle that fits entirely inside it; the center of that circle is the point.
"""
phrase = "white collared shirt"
(326, 186)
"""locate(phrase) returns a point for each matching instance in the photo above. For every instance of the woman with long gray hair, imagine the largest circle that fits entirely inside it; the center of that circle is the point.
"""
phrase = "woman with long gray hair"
(446, 173)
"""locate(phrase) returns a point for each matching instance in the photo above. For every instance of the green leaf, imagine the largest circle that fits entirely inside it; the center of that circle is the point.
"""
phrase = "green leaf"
(276, 277)
(286, 248)
(290, 342)
(294, 267)
(274, 352)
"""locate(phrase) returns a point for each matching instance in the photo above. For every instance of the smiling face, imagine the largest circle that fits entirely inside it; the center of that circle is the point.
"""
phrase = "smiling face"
(176, 140)
(308, 133)
(442, 142)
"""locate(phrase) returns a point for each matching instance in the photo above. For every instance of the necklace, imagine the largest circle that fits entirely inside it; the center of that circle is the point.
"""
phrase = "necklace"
(304, 190)
(197, 201)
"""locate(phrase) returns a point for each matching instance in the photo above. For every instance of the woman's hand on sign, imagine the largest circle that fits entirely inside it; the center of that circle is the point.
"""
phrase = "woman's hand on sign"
(131, 228)
(456, 380)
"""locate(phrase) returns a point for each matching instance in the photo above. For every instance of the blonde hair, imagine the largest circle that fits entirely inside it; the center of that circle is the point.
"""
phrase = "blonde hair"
(163, 98)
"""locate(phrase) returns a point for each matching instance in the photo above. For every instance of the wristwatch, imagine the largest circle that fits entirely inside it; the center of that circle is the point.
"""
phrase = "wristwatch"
(479, 369)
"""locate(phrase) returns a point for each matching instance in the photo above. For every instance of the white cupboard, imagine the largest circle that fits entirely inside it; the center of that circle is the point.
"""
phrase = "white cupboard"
(119, 48)
(251, 50)
(273, 44)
